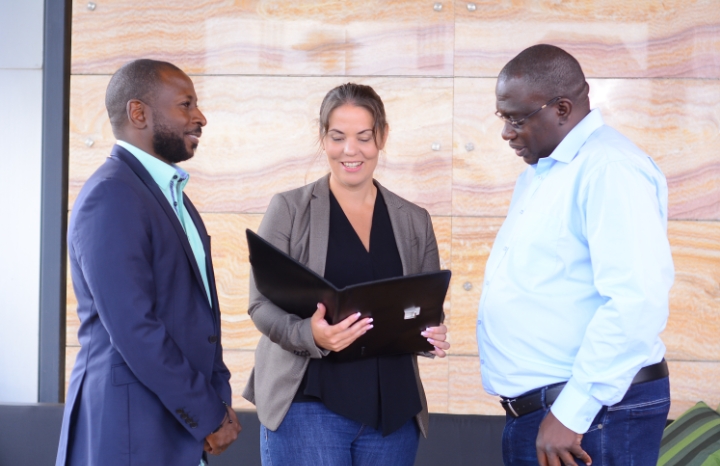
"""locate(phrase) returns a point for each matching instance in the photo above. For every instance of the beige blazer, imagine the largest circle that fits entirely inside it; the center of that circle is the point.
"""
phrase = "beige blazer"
(298, 222)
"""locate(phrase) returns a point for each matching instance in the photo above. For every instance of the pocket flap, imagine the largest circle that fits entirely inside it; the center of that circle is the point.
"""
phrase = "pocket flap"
(122, 375)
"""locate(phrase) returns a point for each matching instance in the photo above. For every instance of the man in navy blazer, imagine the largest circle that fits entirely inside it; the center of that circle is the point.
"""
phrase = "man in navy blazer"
(149, 386)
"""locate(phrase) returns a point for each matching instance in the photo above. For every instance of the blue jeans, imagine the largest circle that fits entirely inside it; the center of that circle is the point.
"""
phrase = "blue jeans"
(313, 435)
(627, 433)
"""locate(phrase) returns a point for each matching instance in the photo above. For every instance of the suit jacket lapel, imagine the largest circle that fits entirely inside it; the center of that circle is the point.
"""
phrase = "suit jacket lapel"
(205, 238)
(401, 228)
(125, 156)
(319, 225)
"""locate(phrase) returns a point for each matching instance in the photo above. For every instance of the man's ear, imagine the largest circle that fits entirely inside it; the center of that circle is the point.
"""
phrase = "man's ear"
(137, 113)
(564, 110)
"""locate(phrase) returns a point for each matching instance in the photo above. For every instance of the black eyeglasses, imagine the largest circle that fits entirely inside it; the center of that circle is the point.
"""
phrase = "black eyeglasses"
(517, 124)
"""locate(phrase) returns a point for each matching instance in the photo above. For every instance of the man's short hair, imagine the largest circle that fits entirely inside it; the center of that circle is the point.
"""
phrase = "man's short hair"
(548, 69)
(138, 79)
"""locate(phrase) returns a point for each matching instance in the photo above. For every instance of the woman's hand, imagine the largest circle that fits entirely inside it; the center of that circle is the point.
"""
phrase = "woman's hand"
(339, 336)
(437, 336)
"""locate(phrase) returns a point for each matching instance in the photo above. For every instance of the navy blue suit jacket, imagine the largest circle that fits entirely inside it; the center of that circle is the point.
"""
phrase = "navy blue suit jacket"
(149, 381)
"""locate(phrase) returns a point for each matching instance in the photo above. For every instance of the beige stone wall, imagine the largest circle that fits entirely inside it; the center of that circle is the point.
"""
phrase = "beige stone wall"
(261, 69)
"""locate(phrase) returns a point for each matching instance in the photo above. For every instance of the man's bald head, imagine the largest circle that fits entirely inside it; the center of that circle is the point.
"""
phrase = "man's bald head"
(548, 70)
(139, 80)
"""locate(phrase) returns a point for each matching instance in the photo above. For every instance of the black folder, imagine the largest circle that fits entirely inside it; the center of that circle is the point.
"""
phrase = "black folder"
(401, 307)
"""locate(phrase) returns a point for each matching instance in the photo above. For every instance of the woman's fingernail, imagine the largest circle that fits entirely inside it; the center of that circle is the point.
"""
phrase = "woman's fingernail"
(424, 334)
(430, 340)
(370, 320)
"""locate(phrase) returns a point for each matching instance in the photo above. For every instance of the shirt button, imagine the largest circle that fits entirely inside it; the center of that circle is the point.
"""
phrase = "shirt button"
(212, 339)
(479, 322)
(505, 248)
(482, 361)
(522, 211)
(487, 282)
(175, 203)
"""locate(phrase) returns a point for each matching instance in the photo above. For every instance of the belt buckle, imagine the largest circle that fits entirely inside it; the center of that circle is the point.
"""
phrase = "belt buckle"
(507, 404)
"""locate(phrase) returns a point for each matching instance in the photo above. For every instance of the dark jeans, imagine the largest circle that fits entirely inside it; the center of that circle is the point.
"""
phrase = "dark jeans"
(627, 433)
(312, 435)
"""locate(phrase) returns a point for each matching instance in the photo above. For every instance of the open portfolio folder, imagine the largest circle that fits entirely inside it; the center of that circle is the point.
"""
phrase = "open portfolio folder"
(401, 307)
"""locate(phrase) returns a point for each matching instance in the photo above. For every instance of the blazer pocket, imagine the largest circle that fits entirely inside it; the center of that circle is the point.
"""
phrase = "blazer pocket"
(122, 375)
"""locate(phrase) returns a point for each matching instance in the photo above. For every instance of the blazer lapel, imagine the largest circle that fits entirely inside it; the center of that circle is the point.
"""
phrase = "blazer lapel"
(205, 238)
(125, 156)
(319, 225)
(401, 228)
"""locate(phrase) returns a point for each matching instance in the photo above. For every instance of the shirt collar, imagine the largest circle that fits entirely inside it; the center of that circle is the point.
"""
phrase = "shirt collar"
(163, 173)
(570, 145)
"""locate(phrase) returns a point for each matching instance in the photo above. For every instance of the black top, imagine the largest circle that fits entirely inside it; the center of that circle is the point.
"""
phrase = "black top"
(379, 392)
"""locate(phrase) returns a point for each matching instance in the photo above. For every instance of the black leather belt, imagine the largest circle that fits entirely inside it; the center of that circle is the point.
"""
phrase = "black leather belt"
(532, 401)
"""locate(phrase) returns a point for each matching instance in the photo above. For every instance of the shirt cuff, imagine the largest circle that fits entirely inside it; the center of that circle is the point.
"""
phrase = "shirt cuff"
(575, 408)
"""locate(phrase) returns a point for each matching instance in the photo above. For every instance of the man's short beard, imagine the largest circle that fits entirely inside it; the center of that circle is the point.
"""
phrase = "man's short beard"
(168, 145)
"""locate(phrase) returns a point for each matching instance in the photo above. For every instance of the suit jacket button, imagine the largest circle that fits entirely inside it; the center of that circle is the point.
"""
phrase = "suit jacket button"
(193, 424)
(212, 339)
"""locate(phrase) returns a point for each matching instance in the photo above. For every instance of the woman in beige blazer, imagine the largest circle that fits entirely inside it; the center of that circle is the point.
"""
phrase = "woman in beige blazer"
(350, 229)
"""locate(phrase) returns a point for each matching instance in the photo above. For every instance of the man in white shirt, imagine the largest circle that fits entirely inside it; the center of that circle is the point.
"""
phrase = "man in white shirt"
(576, 286)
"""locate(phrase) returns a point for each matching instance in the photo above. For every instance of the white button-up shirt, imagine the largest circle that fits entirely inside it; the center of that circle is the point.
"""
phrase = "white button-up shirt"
(576, 286)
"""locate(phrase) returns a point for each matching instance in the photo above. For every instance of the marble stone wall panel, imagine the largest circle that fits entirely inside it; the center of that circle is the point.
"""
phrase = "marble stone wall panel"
(262, 67)
(435, 379)
(261, 37)
(232, 274)
(91, 137)
(610, 38)
(676, 121)
(261, 138)
(467, 395)
(694, 323)
(472, 239)
(484, 167)
(693, 381)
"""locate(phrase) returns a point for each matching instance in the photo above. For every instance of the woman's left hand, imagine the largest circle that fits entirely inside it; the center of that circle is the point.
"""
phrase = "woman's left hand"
(437, 336)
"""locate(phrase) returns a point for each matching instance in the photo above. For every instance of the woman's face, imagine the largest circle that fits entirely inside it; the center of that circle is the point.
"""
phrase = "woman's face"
(350, 146)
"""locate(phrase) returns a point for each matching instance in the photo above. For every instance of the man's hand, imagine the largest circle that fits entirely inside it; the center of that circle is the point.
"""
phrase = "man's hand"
(556, 445)
(339, 336)
(437, 337)
(218, 442)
